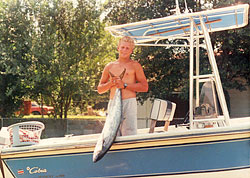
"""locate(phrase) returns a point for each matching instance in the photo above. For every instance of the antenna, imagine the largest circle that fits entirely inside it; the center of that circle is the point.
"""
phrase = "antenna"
(177, 9)
(186, 9)
(178, 12)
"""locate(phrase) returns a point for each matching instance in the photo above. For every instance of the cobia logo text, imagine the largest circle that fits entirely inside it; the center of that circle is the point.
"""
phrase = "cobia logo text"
(36, 170)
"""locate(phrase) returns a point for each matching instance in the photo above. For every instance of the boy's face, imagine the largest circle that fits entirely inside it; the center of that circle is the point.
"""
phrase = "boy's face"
(125, 49)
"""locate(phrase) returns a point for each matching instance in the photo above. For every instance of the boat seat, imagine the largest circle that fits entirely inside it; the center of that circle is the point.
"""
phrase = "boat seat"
(162, 110)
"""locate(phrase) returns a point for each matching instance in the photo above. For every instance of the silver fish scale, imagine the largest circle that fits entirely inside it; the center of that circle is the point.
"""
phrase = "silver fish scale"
(110, 128)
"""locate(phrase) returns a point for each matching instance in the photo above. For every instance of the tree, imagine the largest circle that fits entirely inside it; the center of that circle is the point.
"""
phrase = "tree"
(233, 52)
(69, 52)
(164, 73)
(15, 59)
(162, 66)
(52, 51)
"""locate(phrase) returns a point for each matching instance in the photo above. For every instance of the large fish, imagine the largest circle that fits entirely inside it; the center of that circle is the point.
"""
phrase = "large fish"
(111, 125)
(110, 128)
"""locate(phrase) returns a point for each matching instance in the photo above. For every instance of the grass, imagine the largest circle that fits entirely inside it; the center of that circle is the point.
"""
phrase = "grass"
(73, 115)
(69, 117)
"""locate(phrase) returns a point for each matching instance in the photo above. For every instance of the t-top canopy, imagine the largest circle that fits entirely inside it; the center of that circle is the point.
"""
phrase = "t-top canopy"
(179, 25)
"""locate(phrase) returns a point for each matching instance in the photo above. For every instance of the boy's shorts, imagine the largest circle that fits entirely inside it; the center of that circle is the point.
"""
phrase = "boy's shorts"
(129, 113)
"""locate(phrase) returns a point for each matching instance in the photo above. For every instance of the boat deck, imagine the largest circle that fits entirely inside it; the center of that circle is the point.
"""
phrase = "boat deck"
(238, 124)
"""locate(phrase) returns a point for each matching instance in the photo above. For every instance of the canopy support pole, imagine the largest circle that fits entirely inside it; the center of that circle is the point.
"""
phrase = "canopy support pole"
(215, 71)
(197, 72)
(191, 74)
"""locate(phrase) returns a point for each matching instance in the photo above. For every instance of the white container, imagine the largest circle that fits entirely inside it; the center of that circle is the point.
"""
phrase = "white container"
(25, 133)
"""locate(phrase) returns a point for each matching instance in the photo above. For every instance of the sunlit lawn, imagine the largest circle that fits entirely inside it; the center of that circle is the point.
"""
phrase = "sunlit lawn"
(69, 117)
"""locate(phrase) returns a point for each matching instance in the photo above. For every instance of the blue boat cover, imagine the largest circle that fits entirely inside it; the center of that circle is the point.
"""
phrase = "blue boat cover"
(179, 25)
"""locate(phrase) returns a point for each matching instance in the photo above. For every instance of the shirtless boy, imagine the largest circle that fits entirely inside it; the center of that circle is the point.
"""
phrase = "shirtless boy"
(133, 81)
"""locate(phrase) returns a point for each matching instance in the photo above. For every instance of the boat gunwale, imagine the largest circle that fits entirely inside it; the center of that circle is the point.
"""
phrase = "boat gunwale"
(188, 137)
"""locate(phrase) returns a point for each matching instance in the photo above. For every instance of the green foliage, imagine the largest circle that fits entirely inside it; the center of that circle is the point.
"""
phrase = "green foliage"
(15, 59)
(52, 51)
(164, 72)
(167, 68)
(68, 64)
(233, 55)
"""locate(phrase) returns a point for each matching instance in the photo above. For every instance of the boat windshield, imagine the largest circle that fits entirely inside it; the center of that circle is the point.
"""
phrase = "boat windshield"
(207, 102)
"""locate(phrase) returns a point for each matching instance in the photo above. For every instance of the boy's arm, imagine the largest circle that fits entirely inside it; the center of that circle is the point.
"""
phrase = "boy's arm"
(142, 84)
(105, 84)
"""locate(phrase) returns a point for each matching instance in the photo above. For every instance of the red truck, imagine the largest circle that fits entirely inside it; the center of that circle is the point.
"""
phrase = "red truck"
(37, 109)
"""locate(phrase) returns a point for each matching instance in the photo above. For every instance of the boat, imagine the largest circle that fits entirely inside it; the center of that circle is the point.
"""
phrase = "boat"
(208, 144)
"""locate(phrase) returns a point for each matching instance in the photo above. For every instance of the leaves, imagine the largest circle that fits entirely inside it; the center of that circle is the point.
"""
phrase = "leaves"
(167, 68)
(15, 59)
(53, 50)
(77, 40)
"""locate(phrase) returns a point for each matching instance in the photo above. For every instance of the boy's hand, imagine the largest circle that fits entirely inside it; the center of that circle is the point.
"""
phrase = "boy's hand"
(114, 81)
(119, 83)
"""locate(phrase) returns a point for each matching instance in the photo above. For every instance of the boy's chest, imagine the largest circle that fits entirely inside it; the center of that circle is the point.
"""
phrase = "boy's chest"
(117, 70)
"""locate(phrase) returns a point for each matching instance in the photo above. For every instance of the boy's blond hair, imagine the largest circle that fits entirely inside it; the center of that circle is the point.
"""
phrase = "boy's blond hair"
(127, 39)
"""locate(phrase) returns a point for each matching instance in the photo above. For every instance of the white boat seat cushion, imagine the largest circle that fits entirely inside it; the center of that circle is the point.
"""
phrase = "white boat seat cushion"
(162, 110)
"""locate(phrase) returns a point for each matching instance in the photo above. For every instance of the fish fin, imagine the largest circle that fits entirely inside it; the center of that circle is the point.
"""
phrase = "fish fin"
(122, 74)
(111, 74)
